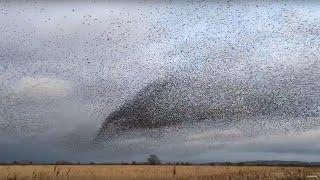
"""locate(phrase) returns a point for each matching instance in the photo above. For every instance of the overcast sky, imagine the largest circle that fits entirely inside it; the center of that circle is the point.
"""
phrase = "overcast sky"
(64, 66)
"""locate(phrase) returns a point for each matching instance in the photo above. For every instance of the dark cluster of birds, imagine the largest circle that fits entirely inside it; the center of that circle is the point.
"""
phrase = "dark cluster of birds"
(176, 100)
(195, 61)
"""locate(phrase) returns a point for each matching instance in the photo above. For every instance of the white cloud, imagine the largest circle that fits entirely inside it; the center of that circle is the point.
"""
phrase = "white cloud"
(42, 87)
(230, 134)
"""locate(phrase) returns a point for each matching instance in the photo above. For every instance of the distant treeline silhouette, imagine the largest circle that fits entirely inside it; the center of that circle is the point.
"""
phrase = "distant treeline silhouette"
(155, 160)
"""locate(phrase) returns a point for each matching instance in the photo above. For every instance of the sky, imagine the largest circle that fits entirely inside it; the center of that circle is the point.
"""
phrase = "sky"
(66, 66)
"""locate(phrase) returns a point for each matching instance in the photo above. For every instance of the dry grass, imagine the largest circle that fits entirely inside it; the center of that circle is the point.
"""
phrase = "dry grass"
(141, 172)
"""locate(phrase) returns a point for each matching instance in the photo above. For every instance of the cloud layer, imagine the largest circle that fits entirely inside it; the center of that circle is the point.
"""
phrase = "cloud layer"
(64, 67)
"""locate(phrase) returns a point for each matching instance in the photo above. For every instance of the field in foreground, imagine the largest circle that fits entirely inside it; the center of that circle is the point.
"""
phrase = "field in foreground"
(141, 172)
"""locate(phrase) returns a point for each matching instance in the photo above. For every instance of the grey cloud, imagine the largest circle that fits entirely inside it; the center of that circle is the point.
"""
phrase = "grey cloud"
(109, 51)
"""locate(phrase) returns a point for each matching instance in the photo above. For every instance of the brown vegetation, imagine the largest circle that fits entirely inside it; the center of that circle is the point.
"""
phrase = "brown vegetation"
(140, 172)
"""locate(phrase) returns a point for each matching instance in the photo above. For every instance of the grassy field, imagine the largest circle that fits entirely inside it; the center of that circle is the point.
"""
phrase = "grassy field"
(141, 172)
